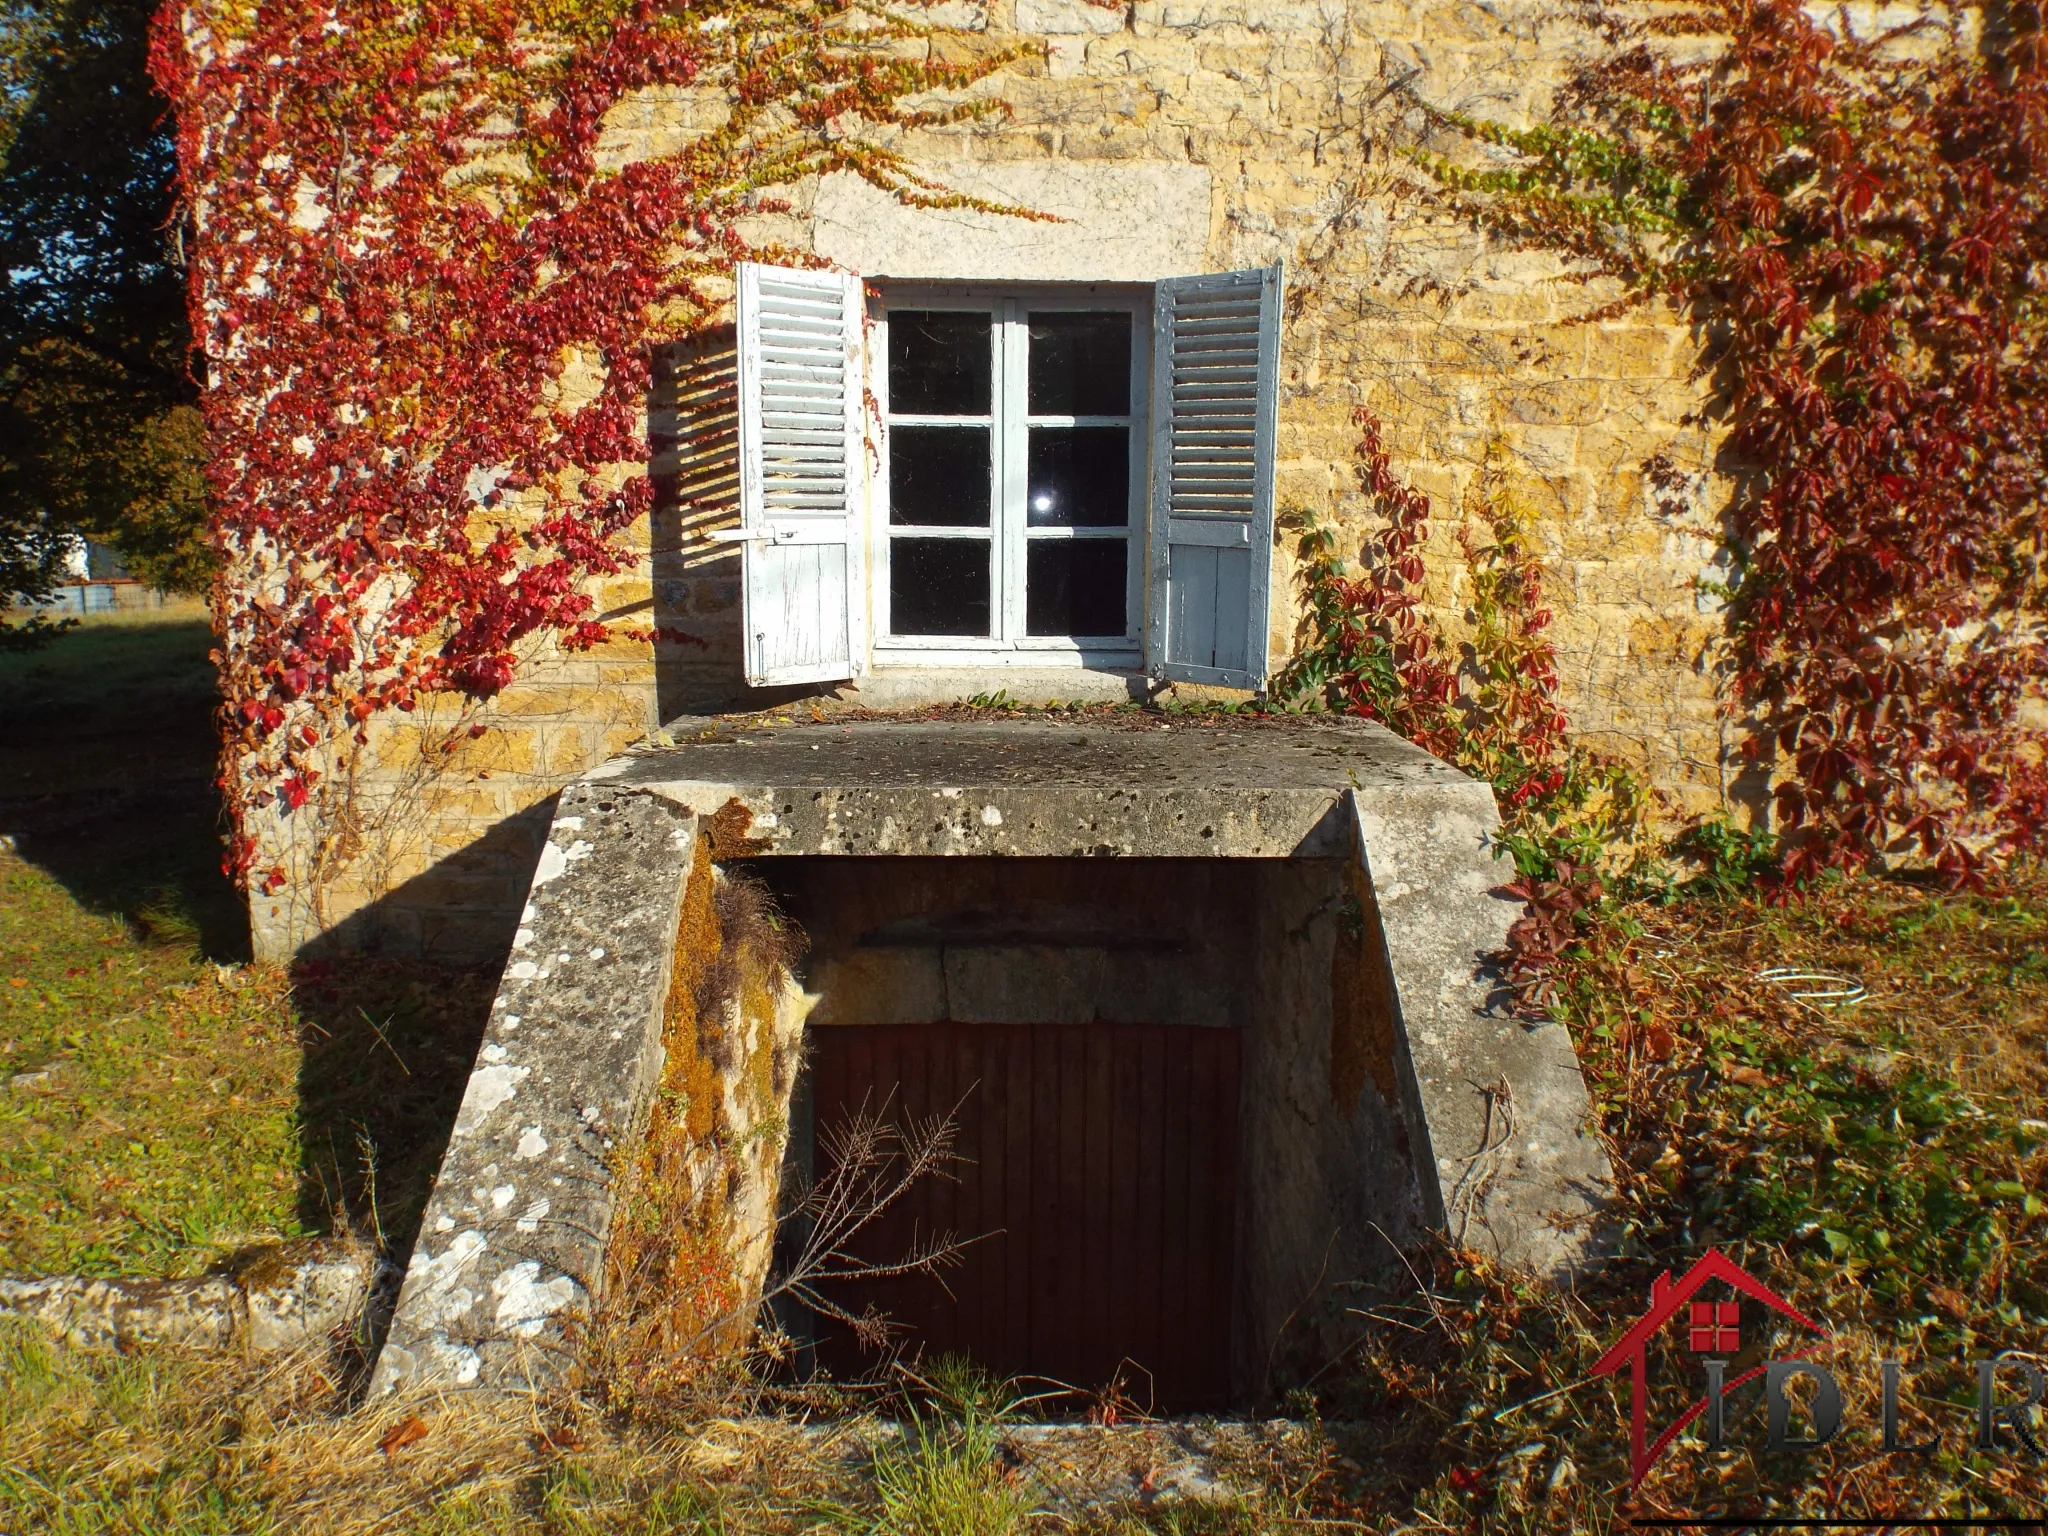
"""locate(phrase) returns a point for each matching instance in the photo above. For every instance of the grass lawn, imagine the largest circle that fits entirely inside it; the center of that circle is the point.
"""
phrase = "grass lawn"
(1881, 1159)
(165, 1103)
(151, 1125)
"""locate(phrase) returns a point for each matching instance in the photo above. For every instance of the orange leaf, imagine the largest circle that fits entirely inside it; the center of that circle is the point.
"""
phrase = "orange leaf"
(408, 1431)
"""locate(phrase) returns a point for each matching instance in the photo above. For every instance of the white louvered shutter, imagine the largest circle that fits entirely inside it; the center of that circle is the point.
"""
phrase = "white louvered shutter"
(802, 474)
(1215, 412)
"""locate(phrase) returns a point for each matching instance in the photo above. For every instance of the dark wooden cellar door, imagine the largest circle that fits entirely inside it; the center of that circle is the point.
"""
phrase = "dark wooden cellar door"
(1102, 1158)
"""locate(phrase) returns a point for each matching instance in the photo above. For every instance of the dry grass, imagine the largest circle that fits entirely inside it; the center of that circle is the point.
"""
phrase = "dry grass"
(167, 1443)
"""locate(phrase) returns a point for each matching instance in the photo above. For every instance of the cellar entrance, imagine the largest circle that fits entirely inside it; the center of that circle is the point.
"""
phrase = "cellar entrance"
(1094, 1180)
(1209, 1002)
(1113, 1041)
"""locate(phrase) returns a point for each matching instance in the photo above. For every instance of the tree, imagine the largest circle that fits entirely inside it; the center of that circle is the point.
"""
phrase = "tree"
(99, 428)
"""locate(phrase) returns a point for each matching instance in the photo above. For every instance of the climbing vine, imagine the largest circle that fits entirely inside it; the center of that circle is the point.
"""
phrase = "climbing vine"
(1857, 226)
(1486, 700)
(428, 287)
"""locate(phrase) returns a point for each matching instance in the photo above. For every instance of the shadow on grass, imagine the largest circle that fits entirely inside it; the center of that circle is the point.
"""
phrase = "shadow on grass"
(107, 748)
(387, 1048)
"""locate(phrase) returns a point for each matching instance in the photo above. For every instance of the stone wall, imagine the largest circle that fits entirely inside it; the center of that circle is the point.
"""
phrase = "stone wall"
(1171, 136)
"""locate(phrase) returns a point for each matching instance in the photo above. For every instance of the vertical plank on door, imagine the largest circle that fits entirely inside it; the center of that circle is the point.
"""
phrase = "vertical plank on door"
(1177, 1319)
(971, 1216)
(1148, 1280)
(1012, 1343)
(1098, 1234)
(1124, 1282)
(1044, 1258)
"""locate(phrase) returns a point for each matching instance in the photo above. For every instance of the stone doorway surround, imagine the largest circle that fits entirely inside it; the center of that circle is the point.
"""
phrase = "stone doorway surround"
(1421, 1101)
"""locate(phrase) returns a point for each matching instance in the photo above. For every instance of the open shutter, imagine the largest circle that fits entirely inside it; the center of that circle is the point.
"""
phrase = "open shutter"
(802, 474)
(1215, 412)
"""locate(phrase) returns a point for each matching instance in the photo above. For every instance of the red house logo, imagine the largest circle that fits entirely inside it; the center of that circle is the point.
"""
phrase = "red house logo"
(1711, 1328)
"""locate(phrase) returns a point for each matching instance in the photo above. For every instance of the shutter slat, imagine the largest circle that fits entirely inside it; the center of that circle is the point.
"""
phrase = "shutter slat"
(1198, 330)
(1215, 403)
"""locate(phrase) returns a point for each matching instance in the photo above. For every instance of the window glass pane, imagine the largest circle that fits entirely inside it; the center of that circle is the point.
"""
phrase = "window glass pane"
(939, 476)
(1080, 477)
(1075, 586)
(940, 362)
(1080, 365)
(938, 586)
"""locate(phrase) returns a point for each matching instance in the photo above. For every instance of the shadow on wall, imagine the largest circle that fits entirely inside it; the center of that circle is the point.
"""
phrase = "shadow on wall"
(693, 438)
(464, 910)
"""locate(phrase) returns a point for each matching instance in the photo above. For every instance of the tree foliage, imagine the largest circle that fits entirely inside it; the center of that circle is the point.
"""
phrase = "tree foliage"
(99, 431)
(1857, 225)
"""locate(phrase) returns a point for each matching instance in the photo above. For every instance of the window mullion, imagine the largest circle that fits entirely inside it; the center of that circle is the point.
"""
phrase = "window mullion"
(1012, 354)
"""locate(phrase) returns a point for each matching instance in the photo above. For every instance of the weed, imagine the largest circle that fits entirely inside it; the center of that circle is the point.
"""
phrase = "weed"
(1732, 858)
(946, 1478)
(1874, 1164)
(166, 919)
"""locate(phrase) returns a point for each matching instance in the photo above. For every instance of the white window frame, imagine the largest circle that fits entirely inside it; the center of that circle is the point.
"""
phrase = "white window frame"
(1009, 306)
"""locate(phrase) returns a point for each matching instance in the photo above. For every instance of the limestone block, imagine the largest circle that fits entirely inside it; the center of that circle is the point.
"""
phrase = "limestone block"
(1068, 16)
(1499, 1107)
(1117, 223)
(953, 15)
(881, 986)
(282, 1299)
(659, 121)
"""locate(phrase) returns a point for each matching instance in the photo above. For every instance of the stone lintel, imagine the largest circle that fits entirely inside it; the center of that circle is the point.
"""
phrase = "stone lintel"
(1111, 223)
(512, 1241)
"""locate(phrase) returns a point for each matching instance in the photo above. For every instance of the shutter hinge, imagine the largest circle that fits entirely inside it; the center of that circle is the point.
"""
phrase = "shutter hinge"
(752, 535)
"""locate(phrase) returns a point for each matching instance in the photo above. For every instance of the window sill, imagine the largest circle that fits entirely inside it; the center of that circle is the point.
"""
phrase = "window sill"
(897, 655)
(916, 686)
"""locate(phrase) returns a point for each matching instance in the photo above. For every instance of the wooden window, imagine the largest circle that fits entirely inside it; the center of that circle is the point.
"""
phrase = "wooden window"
(1009, 523)
(1070, 474)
